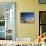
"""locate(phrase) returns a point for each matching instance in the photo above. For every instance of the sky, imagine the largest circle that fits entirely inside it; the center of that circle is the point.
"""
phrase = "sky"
(27, 15)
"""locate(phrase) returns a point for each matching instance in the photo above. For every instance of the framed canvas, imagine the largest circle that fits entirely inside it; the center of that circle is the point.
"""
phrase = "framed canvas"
(27, 17)
(7, 20)
(42, 1)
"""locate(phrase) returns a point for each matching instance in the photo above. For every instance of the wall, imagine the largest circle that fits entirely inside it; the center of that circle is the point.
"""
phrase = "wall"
(27, 30)
(42, 7)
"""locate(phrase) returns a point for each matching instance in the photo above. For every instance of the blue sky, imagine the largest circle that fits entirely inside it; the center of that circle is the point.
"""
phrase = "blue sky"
(27, 15)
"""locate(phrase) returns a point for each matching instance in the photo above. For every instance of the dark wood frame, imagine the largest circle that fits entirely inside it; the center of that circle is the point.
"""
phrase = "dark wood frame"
(39, 21)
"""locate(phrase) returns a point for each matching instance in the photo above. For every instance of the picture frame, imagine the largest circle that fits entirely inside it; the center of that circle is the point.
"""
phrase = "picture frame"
(27, 17)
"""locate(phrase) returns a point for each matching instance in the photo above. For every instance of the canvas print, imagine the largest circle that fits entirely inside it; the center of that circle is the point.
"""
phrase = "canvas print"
(27, 17)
